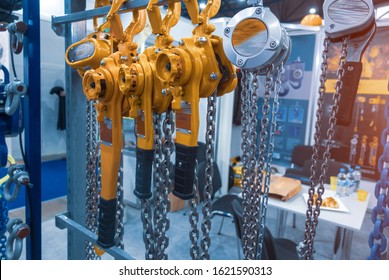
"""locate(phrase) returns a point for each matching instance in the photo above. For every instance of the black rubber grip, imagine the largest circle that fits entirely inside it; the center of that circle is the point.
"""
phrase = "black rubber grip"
(144, 167)
(107, 221)
(184, 171)
(348, 92)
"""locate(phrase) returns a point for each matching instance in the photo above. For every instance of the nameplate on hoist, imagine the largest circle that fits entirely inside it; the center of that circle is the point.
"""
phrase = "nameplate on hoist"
(183, 119)
(140, 124)
(106, 132)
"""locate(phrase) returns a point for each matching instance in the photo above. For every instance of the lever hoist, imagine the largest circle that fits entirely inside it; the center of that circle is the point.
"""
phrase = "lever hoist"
(351, 23)
(255, 41)
(196, 68)
(99, 83)
(148, 102)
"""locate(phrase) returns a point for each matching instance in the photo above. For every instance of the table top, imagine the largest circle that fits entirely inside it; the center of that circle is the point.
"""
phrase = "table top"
(351, 220)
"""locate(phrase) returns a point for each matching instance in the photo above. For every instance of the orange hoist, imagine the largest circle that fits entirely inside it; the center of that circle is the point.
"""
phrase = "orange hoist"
(100, 83)
(146, 94)
(196, 68)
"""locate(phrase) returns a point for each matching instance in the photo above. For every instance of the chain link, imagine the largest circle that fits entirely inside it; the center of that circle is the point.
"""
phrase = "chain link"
(92, 171)
(271, 87)
(194, 219)
(120, 208)
(167, 185)
(245, 160)
(148, 232)
(306, 248)
(208, 189)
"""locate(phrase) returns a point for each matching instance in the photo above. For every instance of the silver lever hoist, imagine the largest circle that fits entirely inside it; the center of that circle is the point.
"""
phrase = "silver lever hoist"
(255, 41)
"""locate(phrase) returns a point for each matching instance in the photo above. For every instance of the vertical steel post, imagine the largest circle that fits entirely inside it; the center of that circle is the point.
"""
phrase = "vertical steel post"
(32, 123)
(75, 136)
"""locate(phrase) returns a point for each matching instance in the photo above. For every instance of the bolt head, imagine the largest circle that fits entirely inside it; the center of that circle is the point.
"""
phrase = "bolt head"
(181, 42)
(124, 57)
(157, 50)
(227, 30)
(102, 62)
(240, 62)
(258, 11)
(203, 39)
(273, 44)
(214, 76)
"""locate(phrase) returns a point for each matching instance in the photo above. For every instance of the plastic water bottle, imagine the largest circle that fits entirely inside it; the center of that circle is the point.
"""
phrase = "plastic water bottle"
(342, 183)
(350, 182)
(357, 177)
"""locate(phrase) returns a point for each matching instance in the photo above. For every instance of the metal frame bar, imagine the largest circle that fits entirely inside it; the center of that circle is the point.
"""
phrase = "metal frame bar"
(32, 125)
(58, 22)
(63, 221)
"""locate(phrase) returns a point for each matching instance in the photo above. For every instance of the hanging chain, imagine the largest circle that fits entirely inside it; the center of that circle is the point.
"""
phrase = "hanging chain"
(92, 181)
(253, 125)
(380, 214)
(120, 208)
(260, 166)
(164, 189)
(158, 181)
(208, 189)
(194, 219)
(275, 88)
(148, 233)
(306, 249)
(246, 185)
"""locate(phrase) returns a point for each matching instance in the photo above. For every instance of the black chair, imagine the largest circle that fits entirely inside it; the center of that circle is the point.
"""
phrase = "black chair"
(273, 248)
(221, 206)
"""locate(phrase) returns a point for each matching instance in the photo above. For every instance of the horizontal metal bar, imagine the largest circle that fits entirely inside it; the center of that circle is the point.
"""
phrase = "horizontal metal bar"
(62, 221)
(99, 12)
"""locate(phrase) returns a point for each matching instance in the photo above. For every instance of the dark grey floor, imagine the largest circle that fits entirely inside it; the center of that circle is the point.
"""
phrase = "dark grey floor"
(223, 246)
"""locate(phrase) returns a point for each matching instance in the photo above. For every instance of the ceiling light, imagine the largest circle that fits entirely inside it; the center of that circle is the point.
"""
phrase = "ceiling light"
(312, 10)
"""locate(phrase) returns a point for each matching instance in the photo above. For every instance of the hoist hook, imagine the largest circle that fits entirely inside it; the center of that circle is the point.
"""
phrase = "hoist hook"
(17, 232)
(19, 178)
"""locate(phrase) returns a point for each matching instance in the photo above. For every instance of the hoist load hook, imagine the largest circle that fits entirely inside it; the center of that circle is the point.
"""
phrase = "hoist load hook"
(14, 91)
(17, 232)
(17, 176)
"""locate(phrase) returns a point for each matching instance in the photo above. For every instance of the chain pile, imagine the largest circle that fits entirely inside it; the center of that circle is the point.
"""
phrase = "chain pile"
(380, 214)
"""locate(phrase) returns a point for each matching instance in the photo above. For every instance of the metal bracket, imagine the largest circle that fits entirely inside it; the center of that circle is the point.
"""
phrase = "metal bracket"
(58, 22)
(62, 221)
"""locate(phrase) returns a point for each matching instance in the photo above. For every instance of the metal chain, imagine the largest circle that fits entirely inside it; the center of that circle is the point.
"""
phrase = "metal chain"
(246, 186)
(194, 219)
(148, 233)
(275, 88)
(380, 214)
(260, 167)
(255, 195)
(208, 188)
(120, 208)
(92, 150)
(3, 225)
(167, 148)
(306, 249)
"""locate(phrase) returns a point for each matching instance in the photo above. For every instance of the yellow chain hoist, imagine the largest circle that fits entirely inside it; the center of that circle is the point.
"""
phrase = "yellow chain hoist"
(196, 68)
(100, 83)
(145, 92)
